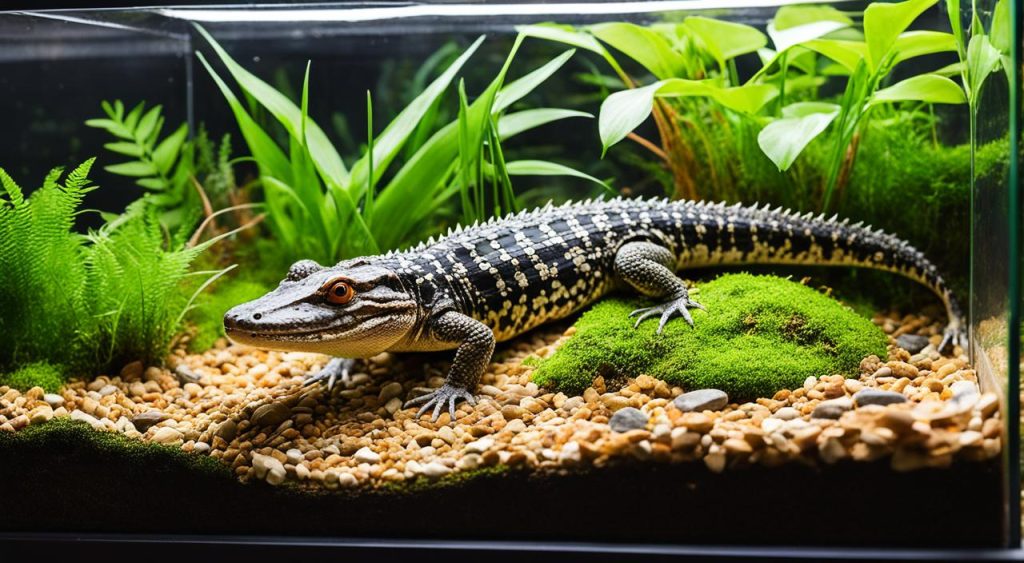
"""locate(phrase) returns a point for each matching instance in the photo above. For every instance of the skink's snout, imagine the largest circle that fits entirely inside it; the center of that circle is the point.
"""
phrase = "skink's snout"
(241, 317)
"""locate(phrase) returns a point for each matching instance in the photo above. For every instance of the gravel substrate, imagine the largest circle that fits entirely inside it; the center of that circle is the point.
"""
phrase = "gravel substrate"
(249, 409)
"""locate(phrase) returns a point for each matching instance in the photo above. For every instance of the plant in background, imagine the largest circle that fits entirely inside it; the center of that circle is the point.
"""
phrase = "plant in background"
(85, 303)
(699, 90)
(185, 179)
(319, 208)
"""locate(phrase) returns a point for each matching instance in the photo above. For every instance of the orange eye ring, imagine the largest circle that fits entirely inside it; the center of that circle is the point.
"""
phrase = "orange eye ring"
(340, 292)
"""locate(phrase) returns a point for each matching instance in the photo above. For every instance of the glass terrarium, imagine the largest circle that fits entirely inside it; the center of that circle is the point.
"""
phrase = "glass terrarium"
(676, 273)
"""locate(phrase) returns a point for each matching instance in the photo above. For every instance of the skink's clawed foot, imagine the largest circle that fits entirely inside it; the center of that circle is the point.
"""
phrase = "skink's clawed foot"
(679, 306)
(445, 394)
(337, 368)
(955, 335)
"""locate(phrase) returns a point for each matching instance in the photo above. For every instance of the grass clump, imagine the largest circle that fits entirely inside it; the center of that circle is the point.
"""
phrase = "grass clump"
(37, 374)
(759, 335)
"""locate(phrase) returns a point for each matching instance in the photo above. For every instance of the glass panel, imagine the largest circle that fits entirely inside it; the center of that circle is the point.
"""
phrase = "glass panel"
(821, 402)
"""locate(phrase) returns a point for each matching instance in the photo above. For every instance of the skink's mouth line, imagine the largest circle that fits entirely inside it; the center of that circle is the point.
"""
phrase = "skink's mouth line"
(300, 334)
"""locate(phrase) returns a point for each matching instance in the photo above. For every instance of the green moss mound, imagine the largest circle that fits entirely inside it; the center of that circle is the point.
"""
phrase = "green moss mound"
(39, 374)
(759, 334)
(63, 436)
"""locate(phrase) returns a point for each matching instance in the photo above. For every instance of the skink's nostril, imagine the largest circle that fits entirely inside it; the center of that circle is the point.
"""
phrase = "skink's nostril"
(257, 316)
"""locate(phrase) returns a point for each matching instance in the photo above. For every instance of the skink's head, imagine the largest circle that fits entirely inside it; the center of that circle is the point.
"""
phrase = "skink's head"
(355, 309)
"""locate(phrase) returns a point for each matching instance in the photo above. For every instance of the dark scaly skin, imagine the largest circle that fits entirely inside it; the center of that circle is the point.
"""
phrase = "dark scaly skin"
(491, 282)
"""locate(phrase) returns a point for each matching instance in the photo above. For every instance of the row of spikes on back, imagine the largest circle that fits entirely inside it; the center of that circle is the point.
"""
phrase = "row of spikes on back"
(765, 212)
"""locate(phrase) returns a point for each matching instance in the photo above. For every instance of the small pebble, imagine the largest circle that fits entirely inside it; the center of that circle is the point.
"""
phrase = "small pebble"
(877, 397)
(628, 418)
(833, 408)
(704, 399)
(912, 343)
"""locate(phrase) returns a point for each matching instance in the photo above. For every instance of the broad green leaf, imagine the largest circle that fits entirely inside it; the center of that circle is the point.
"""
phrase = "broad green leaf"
(950, 70)
(563, 34)
(147, 124)
(135, 168)
(513, 124)
(546, 168)
(784, 139)
(1000, 32)
(624, 111)
(927, 88)
(154, 183)
(266, 152)
(115, 128)
(127, 149)
(916, 43)
(953, 11)
(745, 99)
(132, 120)
(783, 39)
(388, 144)
(167, 151)
(793, 16)
(321, 149)
(883, 24)
(725, 40)
(643, 45)
(982, 60)
(846, 53)
(520, 87)
(803, 109)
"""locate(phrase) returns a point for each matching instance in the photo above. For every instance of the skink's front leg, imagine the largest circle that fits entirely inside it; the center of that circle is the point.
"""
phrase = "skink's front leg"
(647, 267)
(337, 368)
(476, 344)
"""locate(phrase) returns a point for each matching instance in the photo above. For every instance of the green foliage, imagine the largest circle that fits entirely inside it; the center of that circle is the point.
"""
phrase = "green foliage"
(85, 303)
(208, 313)
(760, 334)
(163, 167)
(319, 208)
(37, 374)
(674, 54)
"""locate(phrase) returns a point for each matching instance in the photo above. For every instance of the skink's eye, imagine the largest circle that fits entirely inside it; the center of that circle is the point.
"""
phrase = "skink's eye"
(340, 292)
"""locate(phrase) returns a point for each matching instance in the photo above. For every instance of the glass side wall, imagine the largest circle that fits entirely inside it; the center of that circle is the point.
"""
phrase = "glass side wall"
(996, 212)
(232, 142)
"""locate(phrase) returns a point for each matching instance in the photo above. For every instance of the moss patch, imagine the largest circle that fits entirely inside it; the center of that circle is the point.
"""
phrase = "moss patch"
(760, 334)
(62, 435)
(39, 374)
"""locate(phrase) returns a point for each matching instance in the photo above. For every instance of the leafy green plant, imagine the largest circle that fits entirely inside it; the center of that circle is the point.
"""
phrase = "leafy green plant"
(162, 166)
(696, 59)
(319, 208)
(90, 302)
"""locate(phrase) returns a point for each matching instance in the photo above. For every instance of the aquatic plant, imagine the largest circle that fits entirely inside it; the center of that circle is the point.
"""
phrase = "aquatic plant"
(698, 88)
(319, 208)
(760, 334)
(85, 302)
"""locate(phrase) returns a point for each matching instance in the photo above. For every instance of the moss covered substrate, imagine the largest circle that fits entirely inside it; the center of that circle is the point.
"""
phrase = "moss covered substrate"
(65, 477)
(759, 334)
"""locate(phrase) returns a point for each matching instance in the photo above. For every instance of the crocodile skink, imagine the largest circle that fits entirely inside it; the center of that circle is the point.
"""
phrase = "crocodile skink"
(493, 281)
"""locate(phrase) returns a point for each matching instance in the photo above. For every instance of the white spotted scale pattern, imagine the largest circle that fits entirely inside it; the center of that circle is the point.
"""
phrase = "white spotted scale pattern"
(520, 271)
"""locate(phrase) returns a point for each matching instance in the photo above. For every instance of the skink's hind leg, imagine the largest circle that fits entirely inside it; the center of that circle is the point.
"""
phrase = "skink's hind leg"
(337, 368)
(953, 335)
(476, 344)
(646, 266)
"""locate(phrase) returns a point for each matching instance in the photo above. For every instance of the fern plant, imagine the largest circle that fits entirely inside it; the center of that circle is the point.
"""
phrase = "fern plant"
(91, 302)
